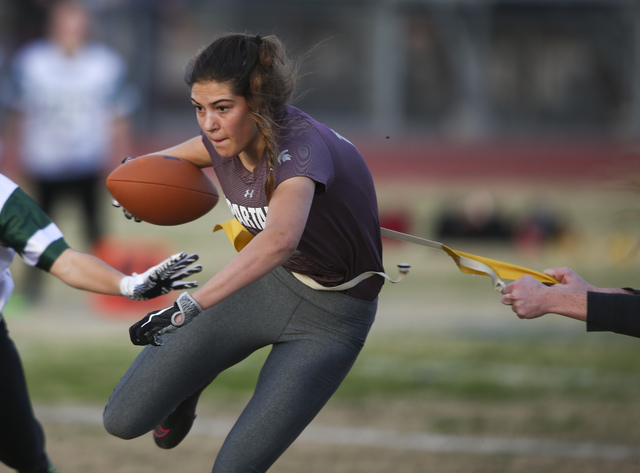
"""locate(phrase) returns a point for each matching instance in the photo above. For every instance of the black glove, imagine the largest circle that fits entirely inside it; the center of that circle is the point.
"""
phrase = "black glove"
(162, 278)
(154, 324)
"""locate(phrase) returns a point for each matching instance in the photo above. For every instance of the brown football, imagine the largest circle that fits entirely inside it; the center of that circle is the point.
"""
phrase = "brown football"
(162, 190)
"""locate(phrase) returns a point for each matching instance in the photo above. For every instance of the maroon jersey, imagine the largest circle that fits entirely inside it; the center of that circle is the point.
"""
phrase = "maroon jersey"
(342, 237)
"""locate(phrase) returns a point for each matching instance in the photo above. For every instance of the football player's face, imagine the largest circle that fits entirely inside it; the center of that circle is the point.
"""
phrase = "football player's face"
(226, 120)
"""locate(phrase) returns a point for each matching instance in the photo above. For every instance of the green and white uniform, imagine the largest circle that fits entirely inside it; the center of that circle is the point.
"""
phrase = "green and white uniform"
(24, 229)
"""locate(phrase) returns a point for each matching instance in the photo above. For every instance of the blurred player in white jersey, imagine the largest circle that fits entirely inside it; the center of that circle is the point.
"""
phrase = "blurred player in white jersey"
(71, 106)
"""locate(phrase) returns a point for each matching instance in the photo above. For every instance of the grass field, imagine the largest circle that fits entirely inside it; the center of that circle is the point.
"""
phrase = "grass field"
(449, 381)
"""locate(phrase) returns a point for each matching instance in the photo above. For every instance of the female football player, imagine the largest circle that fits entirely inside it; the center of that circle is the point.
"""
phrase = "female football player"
(307, 196)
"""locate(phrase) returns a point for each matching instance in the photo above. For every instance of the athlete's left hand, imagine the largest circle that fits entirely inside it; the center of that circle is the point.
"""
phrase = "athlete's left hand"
(154, 324)
(162, 278)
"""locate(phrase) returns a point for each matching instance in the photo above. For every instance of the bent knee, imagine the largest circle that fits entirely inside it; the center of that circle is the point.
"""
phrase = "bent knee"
(121, 426)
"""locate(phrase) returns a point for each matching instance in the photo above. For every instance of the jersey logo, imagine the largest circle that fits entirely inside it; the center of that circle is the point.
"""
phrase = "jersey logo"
(249, 193)
(342, 137)
(284, 156)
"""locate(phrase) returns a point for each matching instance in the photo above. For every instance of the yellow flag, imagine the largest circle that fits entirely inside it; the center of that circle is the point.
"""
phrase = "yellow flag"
(503, 270)
(239, 236)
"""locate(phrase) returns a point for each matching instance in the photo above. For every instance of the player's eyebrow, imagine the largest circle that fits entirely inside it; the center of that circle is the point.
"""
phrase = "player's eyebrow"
(213, 104)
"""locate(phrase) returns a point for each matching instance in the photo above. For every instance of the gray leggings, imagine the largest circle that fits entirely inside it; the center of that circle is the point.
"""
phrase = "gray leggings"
(315, 336)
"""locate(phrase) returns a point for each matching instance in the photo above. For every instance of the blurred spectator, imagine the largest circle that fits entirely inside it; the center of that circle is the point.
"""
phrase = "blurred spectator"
(71, 104)
(476, 218)
(541, 226)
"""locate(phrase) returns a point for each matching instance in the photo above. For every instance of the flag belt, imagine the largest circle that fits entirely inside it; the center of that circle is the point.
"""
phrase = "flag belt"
(468, 263)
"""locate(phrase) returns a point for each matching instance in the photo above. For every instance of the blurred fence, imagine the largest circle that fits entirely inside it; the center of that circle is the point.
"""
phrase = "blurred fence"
(453, 68)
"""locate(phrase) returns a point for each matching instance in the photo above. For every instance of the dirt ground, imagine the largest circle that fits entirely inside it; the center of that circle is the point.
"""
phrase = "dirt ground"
(83, 448)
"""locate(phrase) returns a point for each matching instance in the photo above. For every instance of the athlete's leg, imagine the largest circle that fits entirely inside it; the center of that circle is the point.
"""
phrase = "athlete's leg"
(161, 378)
(47, 193)
(300, 375)
(87, 189)
(21, 436)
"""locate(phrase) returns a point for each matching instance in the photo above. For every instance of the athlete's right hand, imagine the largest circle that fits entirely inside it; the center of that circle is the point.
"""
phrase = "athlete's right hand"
(127, 214)
(116, 204)
(161, 278)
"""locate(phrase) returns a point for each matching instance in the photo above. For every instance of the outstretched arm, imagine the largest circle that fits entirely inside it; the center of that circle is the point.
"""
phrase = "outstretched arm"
(86, 272)
(286, 220)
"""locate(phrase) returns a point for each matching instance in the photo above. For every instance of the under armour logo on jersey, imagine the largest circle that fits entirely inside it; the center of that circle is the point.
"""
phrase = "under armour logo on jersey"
(284, 156)
(249, 193)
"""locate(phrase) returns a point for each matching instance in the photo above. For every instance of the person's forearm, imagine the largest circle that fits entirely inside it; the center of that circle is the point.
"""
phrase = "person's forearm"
(86, 272)
(192, 150)
(573, 302)
(567, 302)
(261, 256)
(288, 211)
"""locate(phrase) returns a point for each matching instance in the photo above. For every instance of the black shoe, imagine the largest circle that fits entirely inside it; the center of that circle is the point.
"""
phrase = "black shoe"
(174, 428)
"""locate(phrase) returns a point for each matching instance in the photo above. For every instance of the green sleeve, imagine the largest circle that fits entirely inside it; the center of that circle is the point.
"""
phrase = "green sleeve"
(30, 232)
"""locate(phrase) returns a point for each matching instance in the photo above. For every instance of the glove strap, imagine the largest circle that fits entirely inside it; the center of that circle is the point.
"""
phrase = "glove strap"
(188, 307)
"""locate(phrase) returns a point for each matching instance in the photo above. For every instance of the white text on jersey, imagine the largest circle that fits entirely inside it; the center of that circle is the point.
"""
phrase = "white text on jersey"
(254, 217)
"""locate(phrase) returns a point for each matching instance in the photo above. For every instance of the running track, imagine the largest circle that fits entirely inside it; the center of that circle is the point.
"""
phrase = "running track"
(583, 161)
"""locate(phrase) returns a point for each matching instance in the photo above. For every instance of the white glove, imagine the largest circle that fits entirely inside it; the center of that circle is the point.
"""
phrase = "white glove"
(162, 278)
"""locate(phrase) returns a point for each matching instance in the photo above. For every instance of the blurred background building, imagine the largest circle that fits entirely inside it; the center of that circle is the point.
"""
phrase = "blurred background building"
(459, 69)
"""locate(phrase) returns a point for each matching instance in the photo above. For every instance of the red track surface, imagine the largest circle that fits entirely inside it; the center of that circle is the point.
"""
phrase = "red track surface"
(522, 160)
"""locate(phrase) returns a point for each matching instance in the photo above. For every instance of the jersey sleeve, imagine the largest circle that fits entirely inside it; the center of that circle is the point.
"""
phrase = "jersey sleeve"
(618, 313)
(25, 228)
(305, 153)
